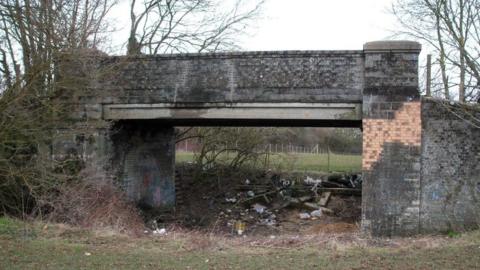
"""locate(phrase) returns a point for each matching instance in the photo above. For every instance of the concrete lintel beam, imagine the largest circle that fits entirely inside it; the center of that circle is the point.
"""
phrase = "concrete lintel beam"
(281, 111)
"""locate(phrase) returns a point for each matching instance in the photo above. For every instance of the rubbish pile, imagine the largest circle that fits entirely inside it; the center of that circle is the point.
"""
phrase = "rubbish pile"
(273, 204)
(267, 203)
(311, 196)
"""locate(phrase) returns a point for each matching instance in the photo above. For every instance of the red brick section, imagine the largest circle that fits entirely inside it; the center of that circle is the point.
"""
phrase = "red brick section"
(405, 128)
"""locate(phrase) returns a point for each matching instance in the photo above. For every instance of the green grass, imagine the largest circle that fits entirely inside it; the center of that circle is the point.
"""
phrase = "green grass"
(303, 162)
(57, 247)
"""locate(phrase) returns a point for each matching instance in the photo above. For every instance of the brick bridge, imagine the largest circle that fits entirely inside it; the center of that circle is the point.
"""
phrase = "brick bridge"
(420, 162)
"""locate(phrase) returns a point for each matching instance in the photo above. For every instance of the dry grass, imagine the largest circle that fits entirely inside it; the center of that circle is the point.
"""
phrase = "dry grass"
(96, 203)
(57, 246)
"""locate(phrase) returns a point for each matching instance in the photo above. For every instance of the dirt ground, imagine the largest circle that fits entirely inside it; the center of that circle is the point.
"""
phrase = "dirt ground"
(217, 205)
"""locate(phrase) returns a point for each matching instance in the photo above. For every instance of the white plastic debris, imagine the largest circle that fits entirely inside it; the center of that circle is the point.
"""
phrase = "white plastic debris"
(304, 215)
(161, 231)
(310, 181)
(285, 183)
(250, 193)
(316, 213)
(88, 254)
(231, 200)
(247, 182)
(315, 183)
(259, 208)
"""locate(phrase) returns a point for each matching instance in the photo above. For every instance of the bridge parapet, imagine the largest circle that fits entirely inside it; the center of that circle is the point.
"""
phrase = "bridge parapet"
(249, 77)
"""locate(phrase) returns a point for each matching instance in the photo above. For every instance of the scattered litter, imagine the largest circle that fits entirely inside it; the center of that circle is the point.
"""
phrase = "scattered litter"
(272, 203)
(315, 183)
(259, 208)
(231, 200)
(161, 231)
(240, 227)
(304, 216)
(310, 181)
(317, 213)
(268, 222)
(88, 254)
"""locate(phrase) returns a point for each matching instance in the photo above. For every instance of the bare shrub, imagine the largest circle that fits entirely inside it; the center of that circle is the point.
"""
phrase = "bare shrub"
(94, 201)
(231, 147)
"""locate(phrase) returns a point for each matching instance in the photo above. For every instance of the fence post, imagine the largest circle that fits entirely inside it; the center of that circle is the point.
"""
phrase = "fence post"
(328, 158)
(429, 75)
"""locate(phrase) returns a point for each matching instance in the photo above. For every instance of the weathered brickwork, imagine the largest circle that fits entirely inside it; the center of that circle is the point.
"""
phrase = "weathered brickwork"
(93, 81)
(391, 141)
(307, 76)
(421, 162)
(145, 154)
(83, 134)
(450, 198)
(404, 127)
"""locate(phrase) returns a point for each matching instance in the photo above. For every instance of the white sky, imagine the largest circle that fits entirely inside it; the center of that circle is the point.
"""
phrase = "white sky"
(321, 24)
(305, 24)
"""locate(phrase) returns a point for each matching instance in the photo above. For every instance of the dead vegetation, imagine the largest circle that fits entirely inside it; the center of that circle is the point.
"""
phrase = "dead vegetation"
(96, 203)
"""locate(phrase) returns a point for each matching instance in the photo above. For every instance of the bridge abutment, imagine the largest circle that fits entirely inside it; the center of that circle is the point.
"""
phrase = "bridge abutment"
(144, 160)
(391, 139)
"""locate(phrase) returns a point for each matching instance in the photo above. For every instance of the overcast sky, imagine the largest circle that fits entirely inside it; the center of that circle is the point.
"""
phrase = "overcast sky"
(306, 24)
(321, 24)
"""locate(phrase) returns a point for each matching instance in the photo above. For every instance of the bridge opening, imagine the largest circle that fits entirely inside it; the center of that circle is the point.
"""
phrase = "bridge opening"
(273, 177)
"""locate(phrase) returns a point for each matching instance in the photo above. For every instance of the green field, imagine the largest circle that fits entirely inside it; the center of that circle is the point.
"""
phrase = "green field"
(47, 246)
(302, 161)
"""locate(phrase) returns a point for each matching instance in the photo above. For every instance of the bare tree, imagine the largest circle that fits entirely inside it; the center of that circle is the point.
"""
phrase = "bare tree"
(452, 29)
(33, 31)
(32, 34)
(168, 26)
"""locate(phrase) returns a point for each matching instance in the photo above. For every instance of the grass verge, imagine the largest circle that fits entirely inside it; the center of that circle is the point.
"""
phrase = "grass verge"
(62, 247)
(302, 161)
